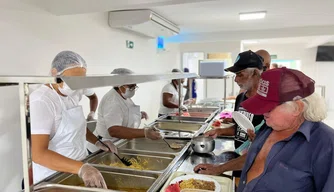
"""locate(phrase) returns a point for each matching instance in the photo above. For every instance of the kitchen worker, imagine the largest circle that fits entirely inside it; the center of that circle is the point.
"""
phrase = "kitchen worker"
(119, 117)
(93, 101)
(248, 68)
(295, 150)
(170, 97)
(190, 87)
(58, 126)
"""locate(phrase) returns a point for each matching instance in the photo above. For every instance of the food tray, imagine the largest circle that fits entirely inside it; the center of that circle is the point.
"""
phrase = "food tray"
(225, 183)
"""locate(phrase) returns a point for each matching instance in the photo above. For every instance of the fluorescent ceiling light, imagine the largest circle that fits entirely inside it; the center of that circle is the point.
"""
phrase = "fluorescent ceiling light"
(250, 41)
(252, 15)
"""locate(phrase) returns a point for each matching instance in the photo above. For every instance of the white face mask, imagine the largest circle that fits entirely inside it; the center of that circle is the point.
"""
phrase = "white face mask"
(65, 90)
(128, 93)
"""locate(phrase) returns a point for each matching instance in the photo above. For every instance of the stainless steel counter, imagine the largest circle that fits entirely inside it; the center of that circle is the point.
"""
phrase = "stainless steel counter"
(222, 153)
(181, 160)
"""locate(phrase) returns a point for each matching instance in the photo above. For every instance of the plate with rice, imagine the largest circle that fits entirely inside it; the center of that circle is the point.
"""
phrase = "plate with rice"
(195, 181)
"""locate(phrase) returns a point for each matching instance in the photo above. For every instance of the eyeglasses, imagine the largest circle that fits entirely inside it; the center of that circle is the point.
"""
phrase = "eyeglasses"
(133, 87)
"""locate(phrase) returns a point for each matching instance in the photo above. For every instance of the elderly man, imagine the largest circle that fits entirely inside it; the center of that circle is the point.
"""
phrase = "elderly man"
(295, 150)
(266, 59)
(248, 69)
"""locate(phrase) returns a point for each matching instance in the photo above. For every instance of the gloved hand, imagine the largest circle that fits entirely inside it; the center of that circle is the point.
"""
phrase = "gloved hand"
(110, 144)
(91, 176)
(91, 116)
(144, 115)
(183, 108)
(152, 133)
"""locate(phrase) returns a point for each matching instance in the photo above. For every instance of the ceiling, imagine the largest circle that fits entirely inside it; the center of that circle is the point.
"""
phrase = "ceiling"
(212, 20)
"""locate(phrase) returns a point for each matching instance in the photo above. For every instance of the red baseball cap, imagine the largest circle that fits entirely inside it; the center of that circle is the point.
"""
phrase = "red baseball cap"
(277, 86)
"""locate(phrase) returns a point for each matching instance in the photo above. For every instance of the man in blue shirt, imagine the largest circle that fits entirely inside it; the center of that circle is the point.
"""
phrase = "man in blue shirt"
(294, 151)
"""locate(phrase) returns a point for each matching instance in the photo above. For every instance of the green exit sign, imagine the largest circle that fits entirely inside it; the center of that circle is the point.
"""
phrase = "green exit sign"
(130, 44)
(273, 56)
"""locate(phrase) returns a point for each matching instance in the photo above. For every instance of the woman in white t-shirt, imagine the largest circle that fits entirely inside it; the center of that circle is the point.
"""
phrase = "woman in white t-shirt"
(58, 126)
(170, 97)
(119, 117)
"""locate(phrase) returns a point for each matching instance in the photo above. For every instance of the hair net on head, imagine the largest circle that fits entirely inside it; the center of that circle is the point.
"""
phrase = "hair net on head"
(67, 60)
(176, 71)
(122, 71)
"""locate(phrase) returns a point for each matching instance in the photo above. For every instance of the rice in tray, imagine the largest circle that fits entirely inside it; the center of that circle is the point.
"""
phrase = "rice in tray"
(197, 184)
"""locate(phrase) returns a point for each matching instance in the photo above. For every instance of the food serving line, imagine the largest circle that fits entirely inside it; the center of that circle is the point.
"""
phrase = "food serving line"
(162, 162)
(155, 163)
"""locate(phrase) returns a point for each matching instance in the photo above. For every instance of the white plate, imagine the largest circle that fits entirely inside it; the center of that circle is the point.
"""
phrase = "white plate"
(242, 121)
(197, 176)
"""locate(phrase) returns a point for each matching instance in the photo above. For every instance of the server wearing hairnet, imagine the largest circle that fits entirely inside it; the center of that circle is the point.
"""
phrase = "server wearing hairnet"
(58, 126)
(119, 117)
(170, 97)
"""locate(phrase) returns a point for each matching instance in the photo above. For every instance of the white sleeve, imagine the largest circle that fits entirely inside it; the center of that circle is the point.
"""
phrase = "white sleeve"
(168, 89)
(88, 92)
(42, 117)
(113, 115)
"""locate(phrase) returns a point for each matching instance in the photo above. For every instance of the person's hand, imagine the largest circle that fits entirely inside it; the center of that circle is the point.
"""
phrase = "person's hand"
(208, 169)
(227, 120)
(183, 108)
(213, 133)
(188, 101)
(251, 134)
(91, 116)
(144, 115)
(152, 133)
(91, 176)
(110, 145)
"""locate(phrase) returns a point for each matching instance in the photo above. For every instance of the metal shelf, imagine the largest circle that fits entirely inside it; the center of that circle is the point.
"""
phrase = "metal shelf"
(74, 83)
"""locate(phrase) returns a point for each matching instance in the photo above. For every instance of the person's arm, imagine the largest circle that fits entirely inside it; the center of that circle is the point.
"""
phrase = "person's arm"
(125, 132)
(167, 101)
(230, 131)
(93, 102)
(50, 159)
(90, 137)
(211, 169)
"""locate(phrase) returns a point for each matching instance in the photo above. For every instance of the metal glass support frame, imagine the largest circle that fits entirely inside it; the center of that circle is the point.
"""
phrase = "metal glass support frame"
(75, 83)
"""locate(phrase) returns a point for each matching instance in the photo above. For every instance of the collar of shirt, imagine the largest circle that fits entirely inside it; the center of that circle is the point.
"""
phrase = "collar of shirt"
(304, 129)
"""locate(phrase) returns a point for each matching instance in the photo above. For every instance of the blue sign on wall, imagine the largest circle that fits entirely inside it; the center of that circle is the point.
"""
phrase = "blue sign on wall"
(160, 43)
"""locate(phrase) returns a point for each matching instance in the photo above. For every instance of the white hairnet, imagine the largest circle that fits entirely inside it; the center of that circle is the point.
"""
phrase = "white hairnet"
(176, 71)
(122, 71)
(67, 60)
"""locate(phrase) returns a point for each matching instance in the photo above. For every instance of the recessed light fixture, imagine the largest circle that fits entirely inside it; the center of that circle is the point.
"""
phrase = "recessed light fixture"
(249, 41)
(252, 15)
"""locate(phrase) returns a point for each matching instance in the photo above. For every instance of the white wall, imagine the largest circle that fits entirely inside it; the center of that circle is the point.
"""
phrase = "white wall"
(29, 42)
(215, 87)
(319, 71)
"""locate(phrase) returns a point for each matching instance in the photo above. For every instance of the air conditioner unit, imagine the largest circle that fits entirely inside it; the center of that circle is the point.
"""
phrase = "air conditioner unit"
(145, 22)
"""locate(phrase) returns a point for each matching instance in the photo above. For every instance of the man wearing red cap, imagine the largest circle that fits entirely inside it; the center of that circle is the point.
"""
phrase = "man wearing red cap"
(294, 150)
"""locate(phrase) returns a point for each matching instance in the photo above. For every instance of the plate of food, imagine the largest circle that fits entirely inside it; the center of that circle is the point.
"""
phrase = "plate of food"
(242, 121)
(193, 181)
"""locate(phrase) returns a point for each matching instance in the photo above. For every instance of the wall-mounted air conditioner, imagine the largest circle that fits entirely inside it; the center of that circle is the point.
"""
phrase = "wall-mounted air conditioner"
(145, 22)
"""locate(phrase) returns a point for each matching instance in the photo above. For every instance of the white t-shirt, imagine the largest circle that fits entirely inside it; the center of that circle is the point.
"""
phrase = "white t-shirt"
(169, 88)
(113, 110)
(46, 110)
